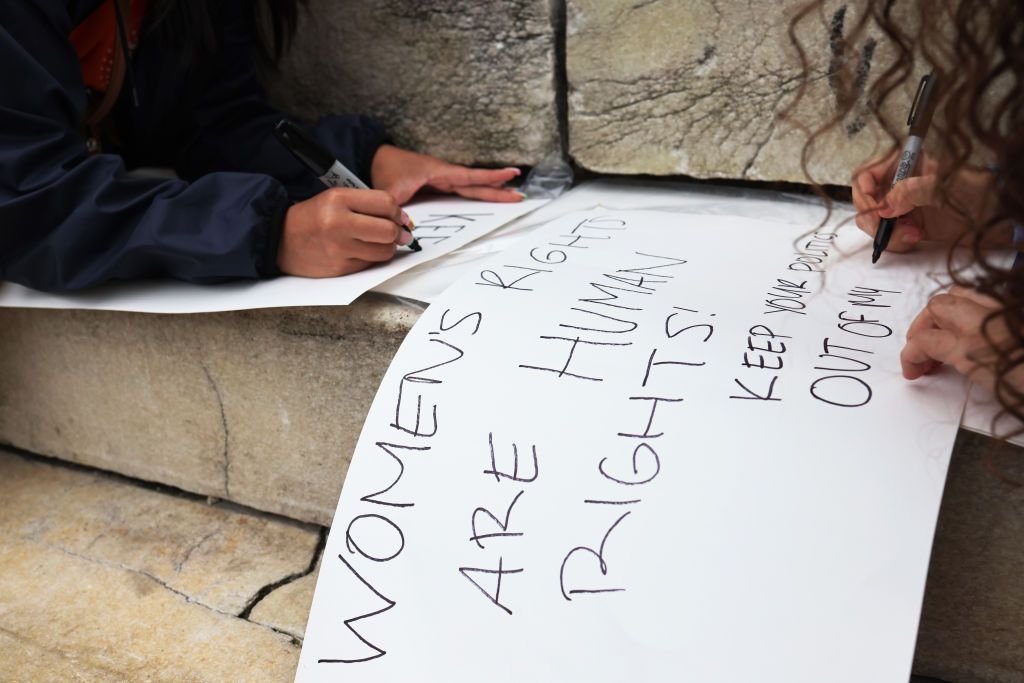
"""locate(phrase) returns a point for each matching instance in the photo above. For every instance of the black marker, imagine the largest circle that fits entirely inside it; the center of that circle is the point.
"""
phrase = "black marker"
(920, 118)
(313, 156)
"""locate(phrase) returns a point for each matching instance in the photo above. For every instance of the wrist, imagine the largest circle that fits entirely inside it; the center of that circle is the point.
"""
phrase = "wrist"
(382, 168)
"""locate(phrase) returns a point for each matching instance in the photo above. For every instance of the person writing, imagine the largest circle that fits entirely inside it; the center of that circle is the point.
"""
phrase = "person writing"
(976, 50)
(90, 88)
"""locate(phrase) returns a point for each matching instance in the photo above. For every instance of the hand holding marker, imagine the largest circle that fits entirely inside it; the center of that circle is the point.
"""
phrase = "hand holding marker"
(919, 120)
(322, 163)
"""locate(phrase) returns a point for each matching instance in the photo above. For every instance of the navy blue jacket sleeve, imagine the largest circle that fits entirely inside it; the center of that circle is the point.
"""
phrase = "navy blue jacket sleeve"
(69, 220)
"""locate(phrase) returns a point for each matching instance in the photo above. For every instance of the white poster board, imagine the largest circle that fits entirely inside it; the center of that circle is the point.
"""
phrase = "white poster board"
(442, 225)
(649, 447)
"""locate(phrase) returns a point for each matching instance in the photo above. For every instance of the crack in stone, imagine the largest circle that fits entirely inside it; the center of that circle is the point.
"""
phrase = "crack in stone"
(224, 424)
(189, 599)
(195, 546)
(271, 587)
(138, 572)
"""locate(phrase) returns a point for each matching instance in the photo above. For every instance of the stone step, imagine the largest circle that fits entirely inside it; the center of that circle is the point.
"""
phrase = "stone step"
(259, 407)
(104, 579)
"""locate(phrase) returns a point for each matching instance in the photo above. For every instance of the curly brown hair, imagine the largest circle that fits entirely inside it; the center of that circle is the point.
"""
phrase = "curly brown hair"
(976, 49)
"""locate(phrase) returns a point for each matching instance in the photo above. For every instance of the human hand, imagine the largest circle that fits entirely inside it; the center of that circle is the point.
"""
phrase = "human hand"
(402, 174)
(950, 330)
(341, 231)
(923, 214)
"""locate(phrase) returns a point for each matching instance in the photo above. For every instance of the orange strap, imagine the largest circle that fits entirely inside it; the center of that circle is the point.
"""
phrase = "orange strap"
(99, 51)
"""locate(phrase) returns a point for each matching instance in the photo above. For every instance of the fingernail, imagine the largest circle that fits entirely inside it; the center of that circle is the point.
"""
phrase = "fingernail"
(518, 171)
(911, 237)
(405, 236)
(521, 194)
(406, 221)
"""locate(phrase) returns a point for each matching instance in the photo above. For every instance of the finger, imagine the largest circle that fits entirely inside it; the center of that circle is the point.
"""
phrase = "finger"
(956, 313)
(927, 350)
(905, 235)
(876, 171)
(372, 229)
(923, 321)
(370, 251)
(908, 194)
(463, 176)
(975, 296)
(489, 194)
(369, 202)
(866, 193)
(868, 222)
(862, 199)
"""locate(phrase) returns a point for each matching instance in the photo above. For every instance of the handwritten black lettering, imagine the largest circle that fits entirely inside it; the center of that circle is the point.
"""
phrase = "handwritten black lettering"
(753, 395)
(651, 364)
(868, 296)
(627, 325)
(389, 448)
(500, 572)
(378, 652)
(643, 270)
(479, 318)
(862, 326)
(477, 536)
(650, 420)
(499, 475)
(574, 341)
(844, 391)
(493, 279)
(376, 536)
(601, 563)
(636, 471)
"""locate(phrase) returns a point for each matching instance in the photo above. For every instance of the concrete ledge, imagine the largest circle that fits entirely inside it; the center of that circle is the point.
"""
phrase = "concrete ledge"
(259, 407)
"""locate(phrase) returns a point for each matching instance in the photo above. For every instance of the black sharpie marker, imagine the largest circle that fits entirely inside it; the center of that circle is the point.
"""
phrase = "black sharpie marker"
(322, 163)
(919, 120)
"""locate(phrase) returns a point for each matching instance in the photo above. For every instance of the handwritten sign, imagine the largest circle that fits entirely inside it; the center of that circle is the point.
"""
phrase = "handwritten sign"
(443, 224)
(645, 446)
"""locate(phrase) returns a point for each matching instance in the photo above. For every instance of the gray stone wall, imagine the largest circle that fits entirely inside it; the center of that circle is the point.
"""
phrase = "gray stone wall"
(693, 88)
(697, 88)
(472, 82)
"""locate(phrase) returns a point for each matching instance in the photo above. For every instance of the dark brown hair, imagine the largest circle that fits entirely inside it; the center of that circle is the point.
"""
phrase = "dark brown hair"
(976, 48)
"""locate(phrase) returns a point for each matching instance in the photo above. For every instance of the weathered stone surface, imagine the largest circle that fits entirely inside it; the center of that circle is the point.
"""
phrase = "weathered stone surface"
(472, 82)
(259, 407)
(115, 609)
(696, 88)
(287, 608)
(115, 624)
(215, 555)
(972, 624)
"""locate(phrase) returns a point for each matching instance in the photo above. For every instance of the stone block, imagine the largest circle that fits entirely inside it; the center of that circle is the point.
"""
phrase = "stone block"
(215, 555)
(472, 82)
(696, 88)
(287, 608)
(259, 407)
(972, 623)
(106, 580)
